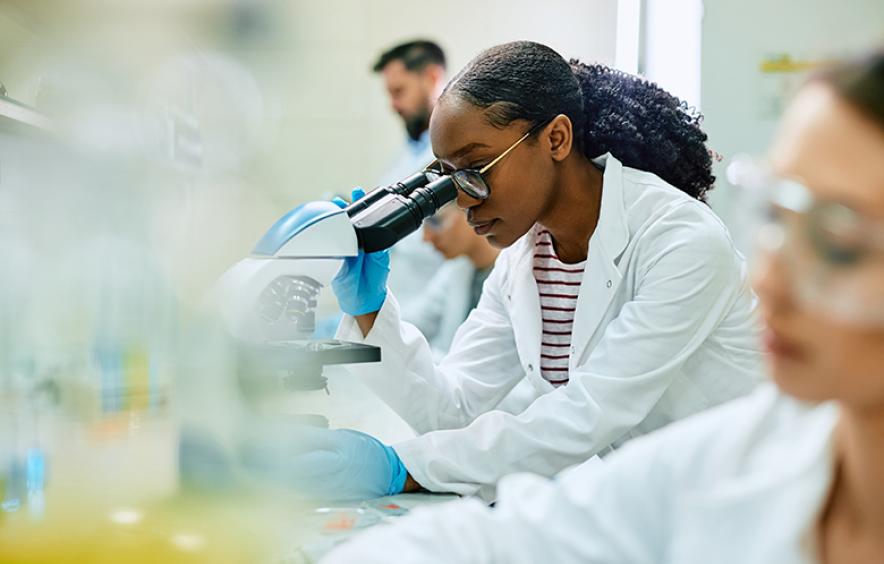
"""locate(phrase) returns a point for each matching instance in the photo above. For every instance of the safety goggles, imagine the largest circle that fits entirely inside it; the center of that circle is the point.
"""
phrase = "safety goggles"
(471, 181)
(834, 254)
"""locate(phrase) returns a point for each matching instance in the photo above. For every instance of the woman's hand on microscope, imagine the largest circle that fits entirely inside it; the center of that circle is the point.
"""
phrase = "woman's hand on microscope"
(361, 284)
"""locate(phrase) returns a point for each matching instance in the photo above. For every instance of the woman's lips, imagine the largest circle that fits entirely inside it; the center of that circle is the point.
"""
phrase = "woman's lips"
(483, 228)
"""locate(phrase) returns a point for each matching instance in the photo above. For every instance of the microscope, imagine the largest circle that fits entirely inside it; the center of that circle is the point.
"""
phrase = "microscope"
(267, 300)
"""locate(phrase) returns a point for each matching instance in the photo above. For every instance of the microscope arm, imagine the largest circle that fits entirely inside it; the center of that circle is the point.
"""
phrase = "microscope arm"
(271, 294)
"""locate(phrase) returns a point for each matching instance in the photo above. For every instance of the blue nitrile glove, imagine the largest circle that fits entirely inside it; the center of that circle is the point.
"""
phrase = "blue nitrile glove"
(338, 465)
(361, 284)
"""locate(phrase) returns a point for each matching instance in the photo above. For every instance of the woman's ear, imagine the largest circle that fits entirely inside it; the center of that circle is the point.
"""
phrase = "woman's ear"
(560, 136)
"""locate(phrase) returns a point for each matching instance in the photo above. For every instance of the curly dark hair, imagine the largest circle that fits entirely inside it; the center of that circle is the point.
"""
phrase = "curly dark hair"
(642, 125)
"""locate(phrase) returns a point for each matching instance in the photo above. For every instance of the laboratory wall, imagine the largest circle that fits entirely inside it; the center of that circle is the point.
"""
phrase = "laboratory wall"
(338, 122)
(755, 54)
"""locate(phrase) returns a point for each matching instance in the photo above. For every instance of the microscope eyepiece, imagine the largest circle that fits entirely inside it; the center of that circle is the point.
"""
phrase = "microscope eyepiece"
(403, 187)
(396, 211)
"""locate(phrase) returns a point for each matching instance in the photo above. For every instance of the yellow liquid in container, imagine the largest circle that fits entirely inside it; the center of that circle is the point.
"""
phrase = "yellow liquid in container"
(178, 531)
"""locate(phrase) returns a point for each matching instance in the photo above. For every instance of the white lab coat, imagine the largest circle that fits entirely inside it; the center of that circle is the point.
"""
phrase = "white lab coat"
(742, 483)
(664, 327)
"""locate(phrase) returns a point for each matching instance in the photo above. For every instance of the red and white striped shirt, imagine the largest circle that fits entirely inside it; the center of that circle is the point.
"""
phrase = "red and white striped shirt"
(558, 284)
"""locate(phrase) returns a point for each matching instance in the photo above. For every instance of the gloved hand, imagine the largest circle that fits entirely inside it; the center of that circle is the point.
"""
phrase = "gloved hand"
(332, 465)
(361, 284)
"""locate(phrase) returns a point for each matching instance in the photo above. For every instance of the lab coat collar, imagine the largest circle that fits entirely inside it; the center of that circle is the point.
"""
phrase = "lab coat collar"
(612, 231)
(791, 485)
(607, 243)
(602, 276)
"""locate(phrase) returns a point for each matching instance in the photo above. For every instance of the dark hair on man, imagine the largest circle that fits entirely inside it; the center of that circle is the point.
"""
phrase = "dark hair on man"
(860, 81)
(638, 122)
(415, 55)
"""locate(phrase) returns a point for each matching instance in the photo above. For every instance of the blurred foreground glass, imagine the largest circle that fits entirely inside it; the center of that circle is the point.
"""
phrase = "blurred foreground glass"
(106, 360)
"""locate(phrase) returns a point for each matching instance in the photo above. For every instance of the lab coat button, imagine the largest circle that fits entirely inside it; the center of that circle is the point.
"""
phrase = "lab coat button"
(609, 284)
(530, 368)
(573, 349)
(509, 297)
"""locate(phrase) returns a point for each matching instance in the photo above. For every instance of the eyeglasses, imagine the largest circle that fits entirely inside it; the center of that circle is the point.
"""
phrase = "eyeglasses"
(836, 234)
(833, 253)
(471, 181)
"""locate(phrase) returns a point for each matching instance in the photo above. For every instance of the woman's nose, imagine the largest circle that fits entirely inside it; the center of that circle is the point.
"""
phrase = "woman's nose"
(770, 276)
